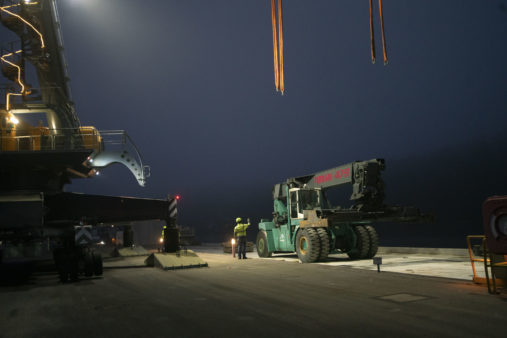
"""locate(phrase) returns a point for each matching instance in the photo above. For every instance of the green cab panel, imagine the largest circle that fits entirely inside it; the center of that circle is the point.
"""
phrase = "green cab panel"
(282, 238)
(279, 238)
(266, 225)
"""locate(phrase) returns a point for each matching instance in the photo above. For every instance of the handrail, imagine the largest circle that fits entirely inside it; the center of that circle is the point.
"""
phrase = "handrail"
(472, 257)
(488, 264)
(44, 138)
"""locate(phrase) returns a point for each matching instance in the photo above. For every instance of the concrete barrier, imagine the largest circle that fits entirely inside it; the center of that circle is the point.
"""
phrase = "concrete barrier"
(131, 251)
(182, 259)
(423, 251)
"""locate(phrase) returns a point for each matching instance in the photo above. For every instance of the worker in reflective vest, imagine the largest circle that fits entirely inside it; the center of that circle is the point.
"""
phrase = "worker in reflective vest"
(240, 234)
(162, 239)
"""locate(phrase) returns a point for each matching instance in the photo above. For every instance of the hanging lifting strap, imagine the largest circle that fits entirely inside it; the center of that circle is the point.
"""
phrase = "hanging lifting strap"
(275, 45)
(372, 37)
(278, 46)
(382, 29)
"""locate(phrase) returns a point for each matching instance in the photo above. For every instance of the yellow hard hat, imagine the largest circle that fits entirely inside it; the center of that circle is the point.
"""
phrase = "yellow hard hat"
(238, 219)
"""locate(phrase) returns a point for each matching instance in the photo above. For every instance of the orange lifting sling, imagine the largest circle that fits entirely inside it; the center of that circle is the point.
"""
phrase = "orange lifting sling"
(278, 46)
(372, 39)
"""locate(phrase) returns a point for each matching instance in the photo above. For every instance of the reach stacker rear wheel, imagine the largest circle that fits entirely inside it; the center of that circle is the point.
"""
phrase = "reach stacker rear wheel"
(262, 244)
(362, 243)
(373, 237)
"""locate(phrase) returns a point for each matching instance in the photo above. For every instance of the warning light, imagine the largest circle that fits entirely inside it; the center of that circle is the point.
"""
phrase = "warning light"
(177, 197)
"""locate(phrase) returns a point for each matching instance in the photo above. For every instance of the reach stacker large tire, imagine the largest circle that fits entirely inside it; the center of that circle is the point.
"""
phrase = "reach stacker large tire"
(308, 245)
(362, 243)
(373, 237)
(324, 243)
(262, 244)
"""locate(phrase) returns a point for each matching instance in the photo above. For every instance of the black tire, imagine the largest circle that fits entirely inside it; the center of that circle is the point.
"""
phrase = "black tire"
(308, 245)
(73, 265)
(373, 236)
(97, 264)
(325, 243)
(262, 244)
(362, 243)
(88, 264)
(61, 264)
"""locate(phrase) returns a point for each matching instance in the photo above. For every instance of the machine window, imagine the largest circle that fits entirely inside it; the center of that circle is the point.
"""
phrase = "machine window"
(308, 199)
(293, 205)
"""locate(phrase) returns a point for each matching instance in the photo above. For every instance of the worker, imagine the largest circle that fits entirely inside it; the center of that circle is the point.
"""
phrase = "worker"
(240, 234)
(162, 239)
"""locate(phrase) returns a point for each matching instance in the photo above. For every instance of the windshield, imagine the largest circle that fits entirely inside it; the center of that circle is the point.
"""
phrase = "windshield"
(309, 199)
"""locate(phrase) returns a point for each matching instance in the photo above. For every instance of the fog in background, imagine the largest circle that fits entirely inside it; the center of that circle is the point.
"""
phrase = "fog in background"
(192, 83)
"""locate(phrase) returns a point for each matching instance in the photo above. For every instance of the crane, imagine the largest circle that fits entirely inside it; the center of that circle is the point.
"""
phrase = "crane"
(43, 147)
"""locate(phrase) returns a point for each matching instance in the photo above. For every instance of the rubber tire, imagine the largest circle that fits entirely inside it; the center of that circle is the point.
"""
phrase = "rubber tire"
(97, 264)
(373, 236)
(362, 243)
(262, 244)
(325, 243)
(88, 264)
(312, 252)
(61, 264)
(73, 265)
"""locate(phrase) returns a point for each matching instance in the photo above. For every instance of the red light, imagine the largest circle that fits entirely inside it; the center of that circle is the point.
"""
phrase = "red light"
(177, 197)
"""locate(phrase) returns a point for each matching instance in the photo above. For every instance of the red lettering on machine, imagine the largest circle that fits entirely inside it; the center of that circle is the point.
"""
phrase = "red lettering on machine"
(323, 178)
(342, 173)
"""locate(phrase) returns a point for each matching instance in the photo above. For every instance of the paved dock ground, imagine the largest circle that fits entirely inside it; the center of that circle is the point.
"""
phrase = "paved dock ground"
(251, 298)
(436, 262)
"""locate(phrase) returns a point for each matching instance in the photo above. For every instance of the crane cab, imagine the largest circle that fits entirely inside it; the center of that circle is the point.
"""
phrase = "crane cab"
(301, 199)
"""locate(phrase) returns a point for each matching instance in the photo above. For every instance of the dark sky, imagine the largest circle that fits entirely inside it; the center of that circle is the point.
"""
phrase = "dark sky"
(192, 83)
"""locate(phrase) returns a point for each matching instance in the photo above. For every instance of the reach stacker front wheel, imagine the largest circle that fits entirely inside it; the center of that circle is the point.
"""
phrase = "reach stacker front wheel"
(262, 244)
(308, 245)
(324, 243)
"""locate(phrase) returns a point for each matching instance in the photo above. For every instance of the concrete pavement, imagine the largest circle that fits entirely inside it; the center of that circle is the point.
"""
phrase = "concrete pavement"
(250, 298)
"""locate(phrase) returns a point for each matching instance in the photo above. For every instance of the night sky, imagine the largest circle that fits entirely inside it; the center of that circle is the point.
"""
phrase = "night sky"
(192, 84)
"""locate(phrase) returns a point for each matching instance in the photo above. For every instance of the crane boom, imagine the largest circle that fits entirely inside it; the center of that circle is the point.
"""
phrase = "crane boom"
(39, 159)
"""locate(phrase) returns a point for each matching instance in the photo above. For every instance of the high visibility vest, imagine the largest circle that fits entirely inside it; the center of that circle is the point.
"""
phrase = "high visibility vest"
(240, 229)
